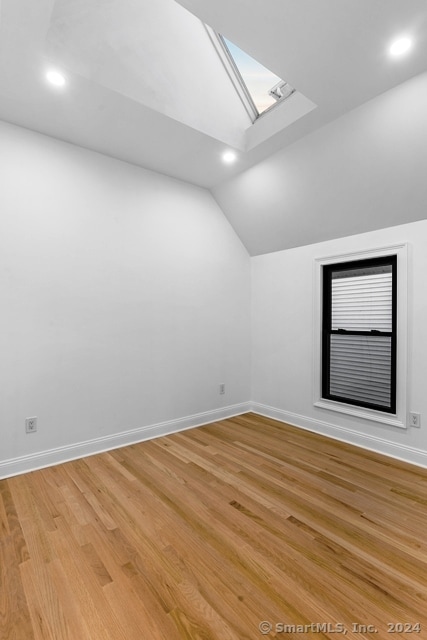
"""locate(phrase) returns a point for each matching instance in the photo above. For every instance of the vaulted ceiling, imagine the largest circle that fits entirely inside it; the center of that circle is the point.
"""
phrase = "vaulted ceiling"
(144, 83)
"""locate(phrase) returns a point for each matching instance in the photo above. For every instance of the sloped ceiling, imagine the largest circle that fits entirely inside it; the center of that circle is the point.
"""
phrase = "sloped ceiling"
(362, 172)
(144, 86)
(156, 54)
(334, 51)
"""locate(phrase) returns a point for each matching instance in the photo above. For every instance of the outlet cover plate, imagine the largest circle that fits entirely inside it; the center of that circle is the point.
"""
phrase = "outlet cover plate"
(31, 425)
(415, 419)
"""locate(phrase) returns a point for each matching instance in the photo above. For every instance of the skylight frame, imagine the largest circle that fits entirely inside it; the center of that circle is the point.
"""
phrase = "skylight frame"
(238, 81)
(233, 73)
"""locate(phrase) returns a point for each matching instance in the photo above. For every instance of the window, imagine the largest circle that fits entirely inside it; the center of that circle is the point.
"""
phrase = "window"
(258, 88)
(265, 89)
(359, 333)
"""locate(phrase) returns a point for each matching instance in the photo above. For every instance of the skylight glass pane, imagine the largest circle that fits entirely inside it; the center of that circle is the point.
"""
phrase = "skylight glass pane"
(258, 80)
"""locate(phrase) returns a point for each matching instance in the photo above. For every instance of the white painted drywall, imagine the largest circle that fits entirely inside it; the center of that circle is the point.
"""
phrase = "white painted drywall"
(282, 338)
(155, 53)
(124, 297)
(364, 171)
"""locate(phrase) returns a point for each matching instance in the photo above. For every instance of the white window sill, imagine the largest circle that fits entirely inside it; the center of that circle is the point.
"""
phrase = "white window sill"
(359, 412)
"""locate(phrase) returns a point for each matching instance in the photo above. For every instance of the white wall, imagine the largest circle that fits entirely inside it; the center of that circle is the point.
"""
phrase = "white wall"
(124, 298)
(125, 301)
(282, 341)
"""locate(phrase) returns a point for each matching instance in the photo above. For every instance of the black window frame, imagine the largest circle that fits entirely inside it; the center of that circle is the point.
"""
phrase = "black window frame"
(327, 330)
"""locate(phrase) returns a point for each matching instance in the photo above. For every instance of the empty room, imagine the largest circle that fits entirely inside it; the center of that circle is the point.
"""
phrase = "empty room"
(213, 265)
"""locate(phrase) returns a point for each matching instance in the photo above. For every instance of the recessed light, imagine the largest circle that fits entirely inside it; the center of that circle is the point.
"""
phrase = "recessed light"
(400, 46)
(229, 157)
(56, 78)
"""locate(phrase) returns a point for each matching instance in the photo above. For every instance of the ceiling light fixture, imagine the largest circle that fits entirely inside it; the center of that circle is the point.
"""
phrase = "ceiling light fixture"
(400, 46)
(229, 157)
(55, 78)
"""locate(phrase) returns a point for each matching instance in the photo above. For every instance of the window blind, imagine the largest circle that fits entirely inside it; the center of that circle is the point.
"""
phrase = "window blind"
(360, 368)
(362, 302)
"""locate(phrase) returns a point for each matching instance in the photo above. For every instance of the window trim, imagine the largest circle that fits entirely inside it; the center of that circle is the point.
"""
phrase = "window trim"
(398, 418)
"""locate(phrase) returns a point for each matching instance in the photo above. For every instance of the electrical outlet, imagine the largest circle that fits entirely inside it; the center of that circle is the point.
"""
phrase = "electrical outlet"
(30, 425)
(415, 419)
(222, 389)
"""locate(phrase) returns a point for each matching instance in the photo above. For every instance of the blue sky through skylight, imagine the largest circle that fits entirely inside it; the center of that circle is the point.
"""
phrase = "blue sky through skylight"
(257, 78)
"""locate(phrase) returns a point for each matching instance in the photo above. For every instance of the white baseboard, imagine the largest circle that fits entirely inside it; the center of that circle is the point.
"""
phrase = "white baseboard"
(372, 443)
(31, 462)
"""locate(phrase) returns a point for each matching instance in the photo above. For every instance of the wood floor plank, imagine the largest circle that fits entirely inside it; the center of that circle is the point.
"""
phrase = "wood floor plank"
(206, 533)
(15, 622)
(12, 525)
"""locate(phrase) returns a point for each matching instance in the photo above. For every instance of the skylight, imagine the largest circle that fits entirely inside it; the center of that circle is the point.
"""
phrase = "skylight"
(265, 88)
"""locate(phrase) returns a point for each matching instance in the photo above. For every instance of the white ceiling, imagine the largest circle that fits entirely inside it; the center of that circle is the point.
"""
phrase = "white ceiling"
(362, 172)
(156, 54)
(145, 87)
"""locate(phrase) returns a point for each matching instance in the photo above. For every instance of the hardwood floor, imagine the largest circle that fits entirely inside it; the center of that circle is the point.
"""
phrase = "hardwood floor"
(208, 533)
